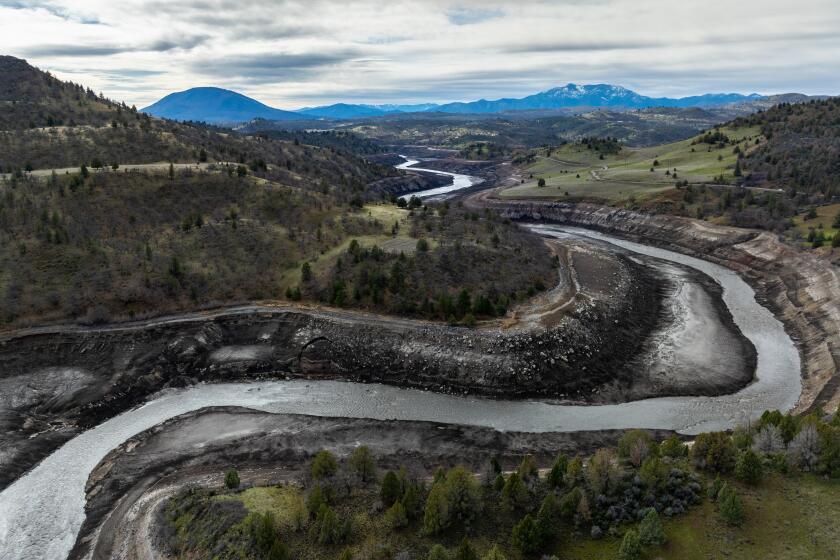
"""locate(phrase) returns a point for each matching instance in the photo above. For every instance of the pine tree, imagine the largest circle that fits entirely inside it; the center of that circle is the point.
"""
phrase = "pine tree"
(631, 547)
(651, 532)
(749, 468)
(730, 507)
(390, 491)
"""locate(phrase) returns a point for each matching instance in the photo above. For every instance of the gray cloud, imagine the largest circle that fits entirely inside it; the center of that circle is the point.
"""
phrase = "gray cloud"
(52, 9)
(159, 45)
(272, 67)
(579, 46)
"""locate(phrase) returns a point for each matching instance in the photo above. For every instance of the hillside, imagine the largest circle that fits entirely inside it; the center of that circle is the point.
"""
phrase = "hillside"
(802, 151)
(30, 98)
(215, 106)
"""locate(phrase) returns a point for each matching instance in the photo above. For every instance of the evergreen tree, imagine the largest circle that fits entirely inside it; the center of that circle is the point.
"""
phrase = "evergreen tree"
(465, 551)
(730, 506)
(436, 515)
(390, 490)
(437, 552)
(526, 535)
(514, 493)
(631, 547)
(651, 532)
(363, 464)
(396, 516)
(557, 473)
(494, 554)
(749, 468)
(324, 465)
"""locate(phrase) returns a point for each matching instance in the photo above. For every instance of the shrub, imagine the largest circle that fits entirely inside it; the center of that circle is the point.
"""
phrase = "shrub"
(673, 447)
(232, 479)
(651, 532)
(749, 468)
(278, 551)
(602, 472)
(768, 440)
(714, 452)
(804, 448)
(631, 546)
(324, 465)
(635, 446)
(494, 554)
(437, 552)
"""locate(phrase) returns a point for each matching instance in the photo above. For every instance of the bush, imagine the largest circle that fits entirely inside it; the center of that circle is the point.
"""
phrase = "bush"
(437, 552)
(232, 479)
(631, 546)
(673, 447)
(635, 446)
(494, 554)
(324, 465)
(651, 532)
(714, 452)
(749, 468)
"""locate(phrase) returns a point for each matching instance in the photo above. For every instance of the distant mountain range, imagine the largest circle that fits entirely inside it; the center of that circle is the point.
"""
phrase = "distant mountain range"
(220, 106)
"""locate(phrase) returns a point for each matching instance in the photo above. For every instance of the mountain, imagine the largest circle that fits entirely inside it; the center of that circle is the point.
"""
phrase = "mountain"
(598, 95)
(216, 106)
(342, 111)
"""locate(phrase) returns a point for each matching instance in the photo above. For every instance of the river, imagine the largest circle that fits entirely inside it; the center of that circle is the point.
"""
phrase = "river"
(459, 181)
(42, 512)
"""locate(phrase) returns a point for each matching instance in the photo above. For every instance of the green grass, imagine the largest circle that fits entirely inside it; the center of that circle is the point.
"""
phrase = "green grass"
(787, 518)
(572, 171)
(824, 221)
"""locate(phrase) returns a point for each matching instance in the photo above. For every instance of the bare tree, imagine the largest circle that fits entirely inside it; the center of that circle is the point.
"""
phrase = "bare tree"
(804, 448)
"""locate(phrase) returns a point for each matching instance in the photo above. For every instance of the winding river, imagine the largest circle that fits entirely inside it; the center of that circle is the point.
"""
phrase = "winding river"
(42, 512)
(459, 181)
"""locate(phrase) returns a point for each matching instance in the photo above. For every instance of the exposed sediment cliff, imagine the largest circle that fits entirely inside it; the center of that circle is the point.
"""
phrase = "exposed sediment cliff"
(802, 289)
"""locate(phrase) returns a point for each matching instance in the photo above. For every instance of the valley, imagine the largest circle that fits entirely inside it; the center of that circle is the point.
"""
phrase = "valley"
(581, 323)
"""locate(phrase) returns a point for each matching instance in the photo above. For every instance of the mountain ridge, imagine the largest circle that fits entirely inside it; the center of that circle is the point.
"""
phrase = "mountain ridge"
(220, 106)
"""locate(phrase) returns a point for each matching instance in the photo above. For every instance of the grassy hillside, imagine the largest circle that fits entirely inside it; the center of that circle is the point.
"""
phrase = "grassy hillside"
(576, 171)
(750, 494)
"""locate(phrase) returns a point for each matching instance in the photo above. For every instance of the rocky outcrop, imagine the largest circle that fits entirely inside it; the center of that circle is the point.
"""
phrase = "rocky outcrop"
(801, 288)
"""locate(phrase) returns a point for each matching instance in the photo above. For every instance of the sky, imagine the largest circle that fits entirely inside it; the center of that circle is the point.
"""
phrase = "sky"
(294, 53)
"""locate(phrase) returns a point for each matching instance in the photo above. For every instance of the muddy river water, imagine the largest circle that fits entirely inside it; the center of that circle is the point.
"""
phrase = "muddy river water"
(42, 512)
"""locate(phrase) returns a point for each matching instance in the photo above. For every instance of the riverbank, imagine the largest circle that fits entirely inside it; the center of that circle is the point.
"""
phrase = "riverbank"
(58, 381)
(145, 471)
(799, 288)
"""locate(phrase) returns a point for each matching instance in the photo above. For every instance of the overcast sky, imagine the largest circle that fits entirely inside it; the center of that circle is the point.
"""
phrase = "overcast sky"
(309, 52)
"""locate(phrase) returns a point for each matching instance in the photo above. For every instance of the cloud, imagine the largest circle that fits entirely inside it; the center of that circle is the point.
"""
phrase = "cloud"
(578, 46)
(52, 9)
(84, 51)
(270, 67)
(468, 16)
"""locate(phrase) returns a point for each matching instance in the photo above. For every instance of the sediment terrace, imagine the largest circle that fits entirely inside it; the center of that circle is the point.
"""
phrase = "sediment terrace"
(588, 342)
(801, 289)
